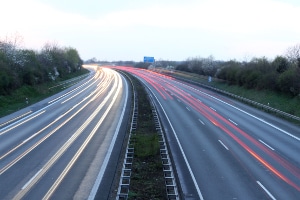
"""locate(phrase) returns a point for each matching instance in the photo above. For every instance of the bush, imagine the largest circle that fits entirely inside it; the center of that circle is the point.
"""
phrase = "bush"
(277, 75)
(20, 67)
(289, 81)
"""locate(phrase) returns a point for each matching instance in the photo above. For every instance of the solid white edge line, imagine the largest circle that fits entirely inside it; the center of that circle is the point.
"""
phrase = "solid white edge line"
(26, 119)
(265, 189)
(181, 149)
(266, 144)
(16, 118)
(223, 145)
(28, 182)
(259, 119)
(188, 108)
(32, 114)
(106, 159)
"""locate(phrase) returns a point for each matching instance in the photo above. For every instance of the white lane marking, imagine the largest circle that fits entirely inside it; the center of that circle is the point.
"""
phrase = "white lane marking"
(45, 127)
(67, 144)
(233, 122)
(188, 108)
(71, 91)
(178, 100)
(257, 118)
(79, 92)
(213, 109)
(180, 147)
(107, 157)
(223, 145)
(265, 189)
(44, 138)
(38, 111)
(201, 121)
(266, 145)
(32, 136)
(14, 119)
(31, 179)
(8, 128)
(199, 100)
(80, 150)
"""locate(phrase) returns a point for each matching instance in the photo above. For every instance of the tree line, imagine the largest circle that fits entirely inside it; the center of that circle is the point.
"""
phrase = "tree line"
(282, 74)
(20, 66)
(279, 75)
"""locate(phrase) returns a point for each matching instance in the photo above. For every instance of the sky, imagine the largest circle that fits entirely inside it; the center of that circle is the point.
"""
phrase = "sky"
(164, 29)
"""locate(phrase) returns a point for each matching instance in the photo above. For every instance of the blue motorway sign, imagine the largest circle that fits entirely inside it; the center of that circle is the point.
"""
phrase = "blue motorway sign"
(149, 59)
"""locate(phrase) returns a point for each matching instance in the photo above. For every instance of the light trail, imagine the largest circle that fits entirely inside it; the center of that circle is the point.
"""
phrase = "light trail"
(156, 81)
(5, 130)
(213, 115)
(83, 146)
(23, 154)
(63, 148)
(16, 118)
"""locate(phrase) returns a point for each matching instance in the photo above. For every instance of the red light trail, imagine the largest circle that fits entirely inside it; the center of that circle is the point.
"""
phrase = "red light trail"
(159, 83)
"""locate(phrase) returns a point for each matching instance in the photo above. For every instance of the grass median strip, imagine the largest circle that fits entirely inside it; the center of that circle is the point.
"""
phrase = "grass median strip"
(147, 179)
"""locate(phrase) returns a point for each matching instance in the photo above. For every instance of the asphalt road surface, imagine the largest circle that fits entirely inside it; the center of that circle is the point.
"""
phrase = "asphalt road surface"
(221, 148)
(60, 148)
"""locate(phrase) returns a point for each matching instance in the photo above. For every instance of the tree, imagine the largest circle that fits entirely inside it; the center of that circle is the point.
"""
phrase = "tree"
(73, 59)
(32, 72)
(230, 71)
(293, 55)
(289, 81)
(92, 60)
(5, 76)
(183, 67)
(142, 65)
(209, 66)
(60, 61)
(281, 64)
(195, 65)
(23, 66)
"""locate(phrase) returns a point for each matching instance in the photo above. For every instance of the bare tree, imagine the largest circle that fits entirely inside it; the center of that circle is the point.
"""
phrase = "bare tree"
(195, 65)
(11, 47)
(293, 55)
(209, 66)
(13, 41)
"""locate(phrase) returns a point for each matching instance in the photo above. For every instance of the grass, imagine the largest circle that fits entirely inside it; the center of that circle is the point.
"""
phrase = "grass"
(147, 178)
(279, 101)
(283, 102)
(146, 145)
(17, 99)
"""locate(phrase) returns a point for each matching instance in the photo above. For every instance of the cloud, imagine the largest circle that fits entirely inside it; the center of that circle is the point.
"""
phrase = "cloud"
(187, 28)
(38, 22)
(215, 15)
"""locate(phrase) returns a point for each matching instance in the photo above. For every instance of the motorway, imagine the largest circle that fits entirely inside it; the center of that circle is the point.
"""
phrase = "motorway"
(60, 148)
(221, 148)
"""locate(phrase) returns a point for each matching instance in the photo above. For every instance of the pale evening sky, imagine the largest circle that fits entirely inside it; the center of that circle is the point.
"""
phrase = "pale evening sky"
(165, 29)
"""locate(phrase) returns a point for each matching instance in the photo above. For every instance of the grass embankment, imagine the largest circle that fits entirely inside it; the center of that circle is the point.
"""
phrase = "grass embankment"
(17, 99)
(275, 100)
(147, 178)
